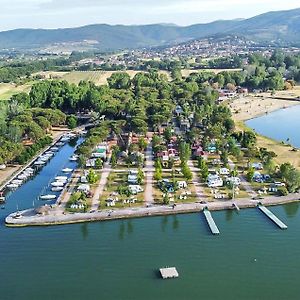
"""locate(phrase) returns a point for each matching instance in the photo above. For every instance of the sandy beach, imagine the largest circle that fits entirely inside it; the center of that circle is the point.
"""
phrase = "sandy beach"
(249, 107)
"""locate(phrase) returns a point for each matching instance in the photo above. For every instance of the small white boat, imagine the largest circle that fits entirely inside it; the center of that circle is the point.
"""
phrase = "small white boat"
(74, 157)
(44, 158)
(48, 197)
(12, 186)
(17, 181)
(59, 144)
(30, 170)
(58, 184)
(39, 163)
(23, 177)
(57, 189)
(67, 170)
(2, 200)
(50, 153)
(61, 178)
(65, 139)
(54, 149)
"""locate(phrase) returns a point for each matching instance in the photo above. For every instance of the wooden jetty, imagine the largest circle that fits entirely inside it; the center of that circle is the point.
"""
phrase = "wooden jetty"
(234, 205)
(210, 221)
(167, 273)
(271, 216)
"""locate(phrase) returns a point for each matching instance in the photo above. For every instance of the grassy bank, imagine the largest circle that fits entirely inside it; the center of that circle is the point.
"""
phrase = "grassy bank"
(285, 153)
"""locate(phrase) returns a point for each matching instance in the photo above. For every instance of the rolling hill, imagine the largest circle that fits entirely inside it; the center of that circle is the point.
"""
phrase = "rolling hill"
(281, 27)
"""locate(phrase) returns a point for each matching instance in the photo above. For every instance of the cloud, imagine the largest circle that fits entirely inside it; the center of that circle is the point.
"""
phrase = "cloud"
(69, 13)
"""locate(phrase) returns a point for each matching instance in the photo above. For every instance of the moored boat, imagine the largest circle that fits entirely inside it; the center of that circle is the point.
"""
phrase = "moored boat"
(58, 184)
(12, 186)
(57, 189)
(61, 178)
(48, 197)
(67, 170)
(74, 157)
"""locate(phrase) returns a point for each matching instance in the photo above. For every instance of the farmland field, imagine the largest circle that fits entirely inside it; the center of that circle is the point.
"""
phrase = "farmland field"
(8, 89)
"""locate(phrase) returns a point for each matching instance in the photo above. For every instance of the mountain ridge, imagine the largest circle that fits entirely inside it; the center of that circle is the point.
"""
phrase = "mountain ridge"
(281, 27)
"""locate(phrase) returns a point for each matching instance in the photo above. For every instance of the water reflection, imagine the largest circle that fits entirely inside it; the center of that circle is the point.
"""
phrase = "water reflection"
(175, 223)
(121, 231)
(164, 223)
(84, 231)
(291, 210)
(229, 215)
(129, 227)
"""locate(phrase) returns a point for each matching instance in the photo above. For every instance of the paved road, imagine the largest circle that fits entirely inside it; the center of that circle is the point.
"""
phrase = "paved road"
(247, 186)
(149, 168)
(102, 183)
(196, 181)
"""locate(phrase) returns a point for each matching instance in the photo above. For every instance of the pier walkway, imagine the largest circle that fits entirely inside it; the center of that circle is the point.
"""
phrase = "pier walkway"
(210, 221)
(271, 216)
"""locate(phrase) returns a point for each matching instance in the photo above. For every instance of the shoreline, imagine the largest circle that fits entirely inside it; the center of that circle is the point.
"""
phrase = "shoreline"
(30, 218)
(285, 152)
(20, 168)
(250, 107)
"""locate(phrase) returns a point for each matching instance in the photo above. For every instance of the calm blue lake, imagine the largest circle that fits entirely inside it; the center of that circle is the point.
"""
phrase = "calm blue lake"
(280, 125)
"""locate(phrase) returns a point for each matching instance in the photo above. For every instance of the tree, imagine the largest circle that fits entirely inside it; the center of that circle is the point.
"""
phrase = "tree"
(71, 121)
(186, 171)
(142, 144)
(166, 199)
(99, 163)
(158, 170)
(92, 177)
(114, 159)
(140, 176)
(168, 134)
(224, 157)
(184, 151)
(120, 80)
(290, 176)
(250, 174)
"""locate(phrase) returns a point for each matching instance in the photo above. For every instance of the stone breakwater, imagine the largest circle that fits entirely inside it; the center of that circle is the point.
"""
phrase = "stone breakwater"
(57, 217)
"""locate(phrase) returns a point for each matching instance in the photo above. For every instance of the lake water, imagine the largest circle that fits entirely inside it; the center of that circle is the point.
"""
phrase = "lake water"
(280, 125)
(250, 259)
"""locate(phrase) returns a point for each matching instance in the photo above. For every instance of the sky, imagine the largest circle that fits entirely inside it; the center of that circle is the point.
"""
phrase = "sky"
(73, 13)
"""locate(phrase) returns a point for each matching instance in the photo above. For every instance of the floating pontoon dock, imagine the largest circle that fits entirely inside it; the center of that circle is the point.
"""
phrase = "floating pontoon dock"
(270, 215)
(167, 273)
(210, 221)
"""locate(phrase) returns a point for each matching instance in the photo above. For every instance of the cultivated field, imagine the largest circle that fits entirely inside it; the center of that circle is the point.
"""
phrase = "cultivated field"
(7, 90)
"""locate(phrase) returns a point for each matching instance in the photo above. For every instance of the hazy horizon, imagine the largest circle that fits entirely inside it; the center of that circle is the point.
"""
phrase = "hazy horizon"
(50, 14)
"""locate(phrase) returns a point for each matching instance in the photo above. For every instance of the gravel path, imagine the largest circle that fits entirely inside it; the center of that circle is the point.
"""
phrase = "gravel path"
(149, 168)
